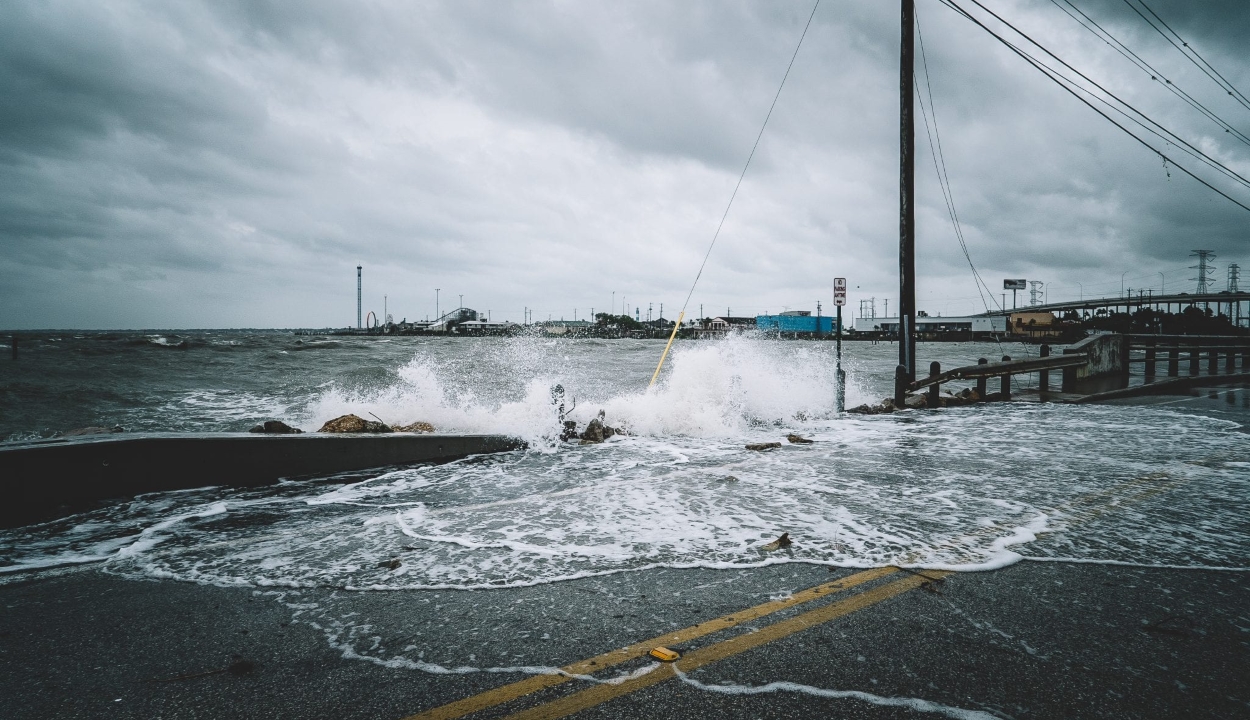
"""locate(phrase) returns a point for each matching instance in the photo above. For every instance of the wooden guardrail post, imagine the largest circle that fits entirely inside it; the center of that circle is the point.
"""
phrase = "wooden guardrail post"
(1193, 360)
(1174, 361)
(935, 369)
(1043, 376)
(1230, 363)
(1213, 361)
(981, 381)
(1245, 359)
(1006, 392)
(1150, 362)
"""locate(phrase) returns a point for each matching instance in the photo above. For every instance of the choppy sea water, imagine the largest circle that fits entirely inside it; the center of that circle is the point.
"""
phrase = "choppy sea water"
(965, 488)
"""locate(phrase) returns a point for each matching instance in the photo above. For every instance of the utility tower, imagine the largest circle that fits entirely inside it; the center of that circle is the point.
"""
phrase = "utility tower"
(1204, 270)
(1035, 292)
(1234, 274)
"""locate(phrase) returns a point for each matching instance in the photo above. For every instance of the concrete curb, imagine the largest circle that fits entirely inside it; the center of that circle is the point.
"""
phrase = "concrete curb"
(41, 478)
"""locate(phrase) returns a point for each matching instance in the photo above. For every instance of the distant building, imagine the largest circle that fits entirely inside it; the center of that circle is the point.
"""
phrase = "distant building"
(795, 322)
(1035, 324)
(721, 326)
(937, 326)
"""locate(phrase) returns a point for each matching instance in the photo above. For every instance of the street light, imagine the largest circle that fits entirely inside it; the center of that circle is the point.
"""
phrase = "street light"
(1122, 282)
(1082, 287)
(1163, 284)
(1046, 295)
(436, 315)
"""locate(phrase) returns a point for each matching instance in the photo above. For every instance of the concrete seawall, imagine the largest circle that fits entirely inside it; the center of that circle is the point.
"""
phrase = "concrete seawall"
(43, 478)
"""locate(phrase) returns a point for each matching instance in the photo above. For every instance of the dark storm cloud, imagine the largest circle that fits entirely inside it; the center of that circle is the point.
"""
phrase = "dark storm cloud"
(193, 164)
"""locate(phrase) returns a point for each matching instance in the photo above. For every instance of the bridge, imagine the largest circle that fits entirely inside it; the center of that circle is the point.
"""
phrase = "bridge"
(1234, 304)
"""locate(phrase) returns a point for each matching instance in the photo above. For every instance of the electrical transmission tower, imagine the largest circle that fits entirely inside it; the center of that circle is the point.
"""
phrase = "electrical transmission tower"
(1234, 274)
(1204, 270)
(1035, 292)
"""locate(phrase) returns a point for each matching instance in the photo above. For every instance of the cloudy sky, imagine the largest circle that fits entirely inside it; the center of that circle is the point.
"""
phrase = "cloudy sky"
(228, 164)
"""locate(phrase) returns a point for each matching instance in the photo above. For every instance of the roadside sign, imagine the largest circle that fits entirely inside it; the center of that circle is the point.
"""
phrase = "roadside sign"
(1015, 284)
(839, 291)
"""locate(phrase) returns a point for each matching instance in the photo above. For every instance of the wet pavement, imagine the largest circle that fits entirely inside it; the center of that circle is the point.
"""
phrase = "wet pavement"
(1033, 640)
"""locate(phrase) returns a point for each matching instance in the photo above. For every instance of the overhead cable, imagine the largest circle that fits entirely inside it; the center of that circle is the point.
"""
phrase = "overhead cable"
(1111, 41)
(1192, 55)
(1063, 82)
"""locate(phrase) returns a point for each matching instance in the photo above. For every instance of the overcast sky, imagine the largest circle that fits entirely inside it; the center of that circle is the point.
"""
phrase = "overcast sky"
(228, 164)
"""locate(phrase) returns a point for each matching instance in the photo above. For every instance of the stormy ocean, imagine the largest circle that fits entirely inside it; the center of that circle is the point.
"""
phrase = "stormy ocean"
(964, 488)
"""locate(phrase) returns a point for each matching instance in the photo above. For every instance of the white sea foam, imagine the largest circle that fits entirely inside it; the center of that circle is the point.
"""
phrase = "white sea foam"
(967, 489)
(917, 704)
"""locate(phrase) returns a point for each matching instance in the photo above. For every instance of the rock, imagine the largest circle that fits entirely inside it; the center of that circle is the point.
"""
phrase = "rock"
(798, 440)
(595, 432)
(779, 543)
(763, 446)
(276, 427)
(729, 479)
(94, 430)
(569, 432)
(391, 564)
(353, 424)
(416, 427)
(886, 406)
(917, 402)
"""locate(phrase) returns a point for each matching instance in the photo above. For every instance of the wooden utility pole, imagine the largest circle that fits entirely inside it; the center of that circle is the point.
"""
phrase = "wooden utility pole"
(907, 210)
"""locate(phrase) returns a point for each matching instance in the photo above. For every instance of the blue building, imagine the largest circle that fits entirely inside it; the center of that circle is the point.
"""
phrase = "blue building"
(795, 322)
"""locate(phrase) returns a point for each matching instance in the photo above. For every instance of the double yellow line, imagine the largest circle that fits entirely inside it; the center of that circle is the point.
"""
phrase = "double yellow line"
(534, 683)
(1081, 509)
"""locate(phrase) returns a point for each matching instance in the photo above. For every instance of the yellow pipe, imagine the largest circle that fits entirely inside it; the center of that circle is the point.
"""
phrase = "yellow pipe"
(681, 315)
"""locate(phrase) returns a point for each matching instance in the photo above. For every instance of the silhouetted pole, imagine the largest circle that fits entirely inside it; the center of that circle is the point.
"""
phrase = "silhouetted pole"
(841, 374)
(907, 212)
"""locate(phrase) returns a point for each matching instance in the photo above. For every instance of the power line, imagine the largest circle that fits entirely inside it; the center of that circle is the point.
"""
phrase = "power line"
(749, 157)
(1217, 78)
(1172, 137)
(1111, 41)
(1059, 80)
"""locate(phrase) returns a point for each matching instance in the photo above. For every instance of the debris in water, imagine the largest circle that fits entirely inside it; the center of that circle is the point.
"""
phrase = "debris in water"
(779, 543)
(798, 439)
(763, 446)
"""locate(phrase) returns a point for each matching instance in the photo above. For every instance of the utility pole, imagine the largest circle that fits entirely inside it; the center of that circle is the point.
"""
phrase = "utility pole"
(357, 297)
(907, 209)
(818, 333)
(1035, 291)
(839, 299)
(437, 317)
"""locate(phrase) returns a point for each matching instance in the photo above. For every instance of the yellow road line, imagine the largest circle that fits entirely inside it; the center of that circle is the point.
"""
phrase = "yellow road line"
(695, 659)
(512, 691)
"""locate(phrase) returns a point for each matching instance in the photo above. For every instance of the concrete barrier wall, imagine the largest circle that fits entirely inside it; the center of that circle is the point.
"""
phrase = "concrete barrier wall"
(1107, 366)
(45, 477)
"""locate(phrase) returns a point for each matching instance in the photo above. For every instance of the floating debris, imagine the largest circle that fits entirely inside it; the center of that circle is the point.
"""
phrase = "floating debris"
(779, 543)
(763, 446)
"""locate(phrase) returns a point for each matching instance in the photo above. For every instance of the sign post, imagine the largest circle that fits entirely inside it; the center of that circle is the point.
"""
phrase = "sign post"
(839, 299)
(1013, 286)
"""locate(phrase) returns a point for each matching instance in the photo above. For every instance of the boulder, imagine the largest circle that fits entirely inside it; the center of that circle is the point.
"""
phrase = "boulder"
(886, 406)
(798, 440)
(353, 424)
(416, 427)
(595, 432)
(276, 427)
(917, 402)
(569, 432)
(763, 446)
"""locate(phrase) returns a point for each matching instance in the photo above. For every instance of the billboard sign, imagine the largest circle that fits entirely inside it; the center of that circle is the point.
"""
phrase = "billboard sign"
(839, 291)
(1015, 284)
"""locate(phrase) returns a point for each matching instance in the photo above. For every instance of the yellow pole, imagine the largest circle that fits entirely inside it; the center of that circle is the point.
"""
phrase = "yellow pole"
(666, 347)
